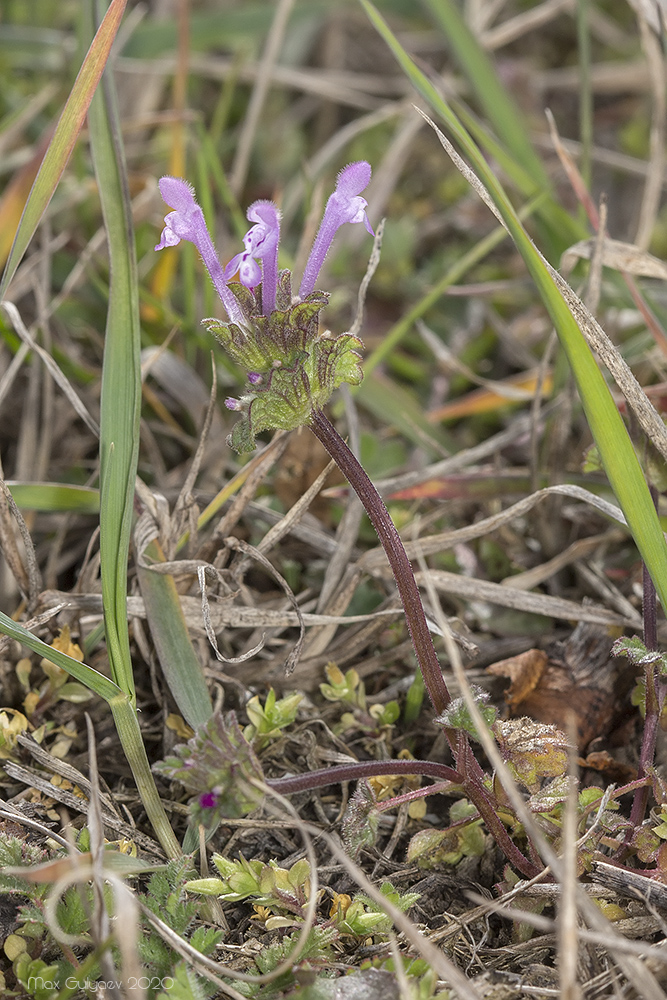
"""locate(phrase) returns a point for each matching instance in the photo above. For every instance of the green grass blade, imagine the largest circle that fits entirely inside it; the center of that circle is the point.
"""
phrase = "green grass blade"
(129, 733)
(560, 229)
(500, 109)
(616, 451)
(64, 138)
(120, 408)
(180, 664)
(97, 682)
(49, 498)
(121, 382)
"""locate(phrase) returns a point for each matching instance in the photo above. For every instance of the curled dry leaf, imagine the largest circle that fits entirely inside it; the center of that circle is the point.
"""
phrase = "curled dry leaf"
(577, 680)
(524, 671)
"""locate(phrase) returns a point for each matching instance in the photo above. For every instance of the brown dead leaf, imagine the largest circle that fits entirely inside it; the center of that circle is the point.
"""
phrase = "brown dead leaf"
(524, 671)
(614, 770)
(532, 750)
(577, 681)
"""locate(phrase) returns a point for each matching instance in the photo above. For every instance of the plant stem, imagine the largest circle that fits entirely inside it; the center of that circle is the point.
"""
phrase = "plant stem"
(427, 658)
(469, 772)
(371, 768)
(362, 769)
(655, 695)
(127, 726)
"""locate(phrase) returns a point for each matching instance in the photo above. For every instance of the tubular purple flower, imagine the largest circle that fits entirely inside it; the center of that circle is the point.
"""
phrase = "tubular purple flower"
(186, 222)
(344, 205)
(261, 244)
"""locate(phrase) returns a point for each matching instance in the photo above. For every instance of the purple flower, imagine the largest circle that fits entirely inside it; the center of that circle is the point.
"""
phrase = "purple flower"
(274, 335)
(261, 243)
(208, 800)
(186, 222)
(344, 205)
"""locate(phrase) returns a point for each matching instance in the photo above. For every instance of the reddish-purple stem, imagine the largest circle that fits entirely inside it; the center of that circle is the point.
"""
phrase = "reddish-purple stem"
(362, 769)
(372, 768)
(427, 658)
(469, 771)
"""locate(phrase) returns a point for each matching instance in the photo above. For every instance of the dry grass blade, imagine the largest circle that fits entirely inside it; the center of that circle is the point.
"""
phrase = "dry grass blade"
(578, 550)
(210, 631)
(259, 93)
(37, 620)
(617, 255)
(493, 445)
(537, 604)
(255, 554)
(223, 615)
(431, 544)
(184, 508)
(521, 24)
(10, 812)
(259, 467)
(293, 515)
(57, 766)
(567, 919)
(23, 566)
(34, 778)
(652, 46)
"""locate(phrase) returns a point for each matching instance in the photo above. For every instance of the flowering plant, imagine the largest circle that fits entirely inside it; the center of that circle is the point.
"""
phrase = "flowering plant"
(292, 367)
(292, 370)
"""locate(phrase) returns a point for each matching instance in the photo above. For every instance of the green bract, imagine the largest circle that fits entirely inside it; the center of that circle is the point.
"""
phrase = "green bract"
(220, 767)
(293, 368)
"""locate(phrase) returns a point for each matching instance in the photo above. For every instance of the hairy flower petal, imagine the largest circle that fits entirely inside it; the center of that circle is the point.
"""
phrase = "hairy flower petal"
(187, 222)
(344, 205)
(261, 243)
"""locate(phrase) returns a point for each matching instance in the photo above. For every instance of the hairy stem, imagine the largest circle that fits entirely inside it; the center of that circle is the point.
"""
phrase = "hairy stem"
(475, 789)
(362, 769)
(427, 658)
(469, 772)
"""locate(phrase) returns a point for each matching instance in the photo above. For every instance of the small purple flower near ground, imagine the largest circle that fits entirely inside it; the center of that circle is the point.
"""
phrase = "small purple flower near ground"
(208, 800)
